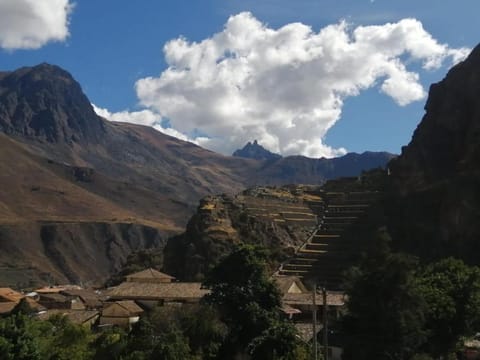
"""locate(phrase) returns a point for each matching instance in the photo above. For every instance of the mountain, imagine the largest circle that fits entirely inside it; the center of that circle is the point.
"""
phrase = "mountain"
(256, 151)
(435, 195)
(46, 103)
(78, 193)
(303, 170)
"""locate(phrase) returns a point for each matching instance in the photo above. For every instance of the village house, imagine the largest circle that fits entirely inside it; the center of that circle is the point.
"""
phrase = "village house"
(120, 313)
(150, 288)
(10, 299)
(298, 304)
(59, 301)
(91, 300)
(150, 295)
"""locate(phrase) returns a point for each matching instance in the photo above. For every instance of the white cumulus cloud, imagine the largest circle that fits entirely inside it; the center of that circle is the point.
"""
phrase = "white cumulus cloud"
(30, 24)
(146, 118)
(286, 87)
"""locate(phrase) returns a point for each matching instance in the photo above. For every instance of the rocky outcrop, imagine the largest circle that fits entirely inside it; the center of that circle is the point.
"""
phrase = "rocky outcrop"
(279, 218)
(435, 194)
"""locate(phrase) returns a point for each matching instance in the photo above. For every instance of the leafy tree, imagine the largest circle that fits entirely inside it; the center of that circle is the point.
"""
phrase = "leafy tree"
(141, 340)
(70, 341)
(278, 342)
(452, 291)
(16, 341)
(199, 323)
(109, 345)
(249, 302)
(22, 337)
(385, 311)
(172, 346)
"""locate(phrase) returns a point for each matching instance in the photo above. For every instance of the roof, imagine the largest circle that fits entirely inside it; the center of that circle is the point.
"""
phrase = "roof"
(284, 283)
(158, 291)
(7, 307)
(53, 297)
(75, 316)
(89, 297)
(56, 289)
(334, 298)
(126, 308)
(34, 305)
(10, 295)
(287, 309)
(150, 273)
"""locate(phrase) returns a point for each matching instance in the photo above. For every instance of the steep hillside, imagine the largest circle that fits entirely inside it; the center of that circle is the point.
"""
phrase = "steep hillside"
(435, 205)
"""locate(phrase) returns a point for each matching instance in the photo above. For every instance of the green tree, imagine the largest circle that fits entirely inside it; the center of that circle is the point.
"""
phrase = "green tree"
(279, 342)
(248, 300)
(172, 346)
(141, 340)
(109, 344)
(385, 313)
(452, 291)
(16, 339)
(199, 323)
(69, 341)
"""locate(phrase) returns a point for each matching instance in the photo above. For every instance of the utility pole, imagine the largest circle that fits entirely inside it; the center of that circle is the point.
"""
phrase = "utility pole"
(325, 323)
(314, 322)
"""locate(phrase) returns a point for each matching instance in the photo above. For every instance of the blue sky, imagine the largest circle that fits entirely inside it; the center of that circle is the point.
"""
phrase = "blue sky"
(112, 47)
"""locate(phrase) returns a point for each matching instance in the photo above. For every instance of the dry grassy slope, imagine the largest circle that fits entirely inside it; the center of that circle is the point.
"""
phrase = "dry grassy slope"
(36, 189)
(51, 223)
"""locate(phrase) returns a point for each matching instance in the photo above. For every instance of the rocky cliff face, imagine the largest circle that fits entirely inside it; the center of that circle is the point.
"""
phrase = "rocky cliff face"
(435, 192)
(446, 143)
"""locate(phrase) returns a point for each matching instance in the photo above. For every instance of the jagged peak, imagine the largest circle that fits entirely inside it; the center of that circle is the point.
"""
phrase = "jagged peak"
(50, 105)
(256, 151)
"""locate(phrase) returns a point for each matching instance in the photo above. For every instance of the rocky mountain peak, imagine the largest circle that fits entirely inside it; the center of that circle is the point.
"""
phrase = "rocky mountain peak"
(256, 151)
(45, 103)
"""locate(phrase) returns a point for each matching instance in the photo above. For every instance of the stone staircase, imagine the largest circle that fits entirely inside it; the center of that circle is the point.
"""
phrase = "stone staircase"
(327, 252)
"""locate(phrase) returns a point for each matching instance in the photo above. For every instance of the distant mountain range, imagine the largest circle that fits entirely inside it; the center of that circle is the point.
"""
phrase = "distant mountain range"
(78, 193)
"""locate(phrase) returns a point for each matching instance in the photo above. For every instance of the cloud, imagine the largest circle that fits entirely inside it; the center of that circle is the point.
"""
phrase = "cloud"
(147, 118)
(30, 24)
(286, 87)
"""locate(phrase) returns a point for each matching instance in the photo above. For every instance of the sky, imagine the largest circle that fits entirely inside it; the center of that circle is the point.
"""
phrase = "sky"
(311, 77)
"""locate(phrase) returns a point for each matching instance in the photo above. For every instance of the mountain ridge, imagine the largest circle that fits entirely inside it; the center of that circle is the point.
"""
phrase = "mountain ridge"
(77, 170)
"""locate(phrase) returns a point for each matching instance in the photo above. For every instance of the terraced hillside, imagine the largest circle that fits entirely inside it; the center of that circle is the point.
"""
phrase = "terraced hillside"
(328, 252)
(306, 228)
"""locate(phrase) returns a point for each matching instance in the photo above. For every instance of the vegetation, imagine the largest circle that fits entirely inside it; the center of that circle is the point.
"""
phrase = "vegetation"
(249, 304)
(400, 310)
